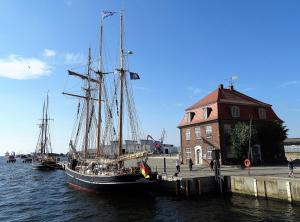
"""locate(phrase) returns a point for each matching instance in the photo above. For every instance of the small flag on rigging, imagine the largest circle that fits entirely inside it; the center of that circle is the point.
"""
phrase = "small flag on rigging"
(107, 14)
(134, 75)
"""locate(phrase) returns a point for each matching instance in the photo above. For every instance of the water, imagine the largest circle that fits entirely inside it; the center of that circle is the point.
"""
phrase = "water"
(30, 195)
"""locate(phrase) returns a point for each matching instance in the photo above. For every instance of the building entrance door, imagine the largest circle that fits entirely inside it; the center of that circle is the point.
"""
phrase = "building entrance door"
(198, 155)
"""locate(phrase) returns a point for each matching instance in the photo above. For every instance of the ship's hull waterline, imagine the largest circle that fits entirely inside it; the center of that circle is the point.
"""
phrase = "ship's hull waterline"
(111, 184)
(45, 166)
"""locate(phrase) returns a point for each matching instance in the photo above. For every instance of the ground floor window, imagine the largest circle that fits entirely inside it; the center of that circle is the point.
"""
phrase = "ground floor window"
(208, 152)
(188, 153)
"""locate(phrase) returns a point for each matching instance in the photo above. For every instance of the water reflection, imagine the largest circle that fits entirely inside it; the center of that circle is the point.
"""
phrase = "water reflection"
(30, 195)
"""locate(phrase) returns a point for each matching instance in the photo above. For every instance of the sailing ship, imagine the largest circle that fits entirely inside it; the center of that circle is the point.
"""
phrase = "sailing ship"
(42, 159)
(10, 158)
(99, 161)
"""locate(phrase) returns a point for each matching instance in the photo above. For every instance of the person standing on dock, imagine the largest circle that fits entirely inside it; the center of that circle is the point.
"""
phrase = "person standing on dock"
(177, 165)
(291, 168)
(190, 164)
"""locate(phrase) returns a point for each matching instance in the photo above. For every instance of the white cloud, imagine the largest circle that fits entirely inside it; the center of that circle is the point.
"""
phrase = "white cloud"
(49, 53)
(290, 83)
(74, 58)
(18, 67)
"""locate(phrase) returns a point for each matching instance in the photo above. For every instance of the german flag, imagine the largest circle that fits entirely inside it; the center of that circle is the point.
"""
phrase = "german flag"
(145, 169)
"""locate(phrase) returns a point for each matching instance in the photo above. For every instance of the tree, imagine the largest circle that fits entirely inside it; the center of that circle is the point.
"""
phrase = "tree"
(271, 136)
(239, 139)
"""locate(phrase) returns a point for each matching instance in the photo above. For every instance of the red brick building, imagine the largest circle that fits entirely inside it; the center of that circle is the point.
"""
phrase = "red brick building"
(206, 124)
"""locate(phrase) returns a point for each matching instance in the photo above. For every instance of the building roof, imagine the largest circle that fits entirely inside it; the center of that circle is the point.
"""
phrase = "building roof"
(292, 141)
(219, 101)
(222, 95)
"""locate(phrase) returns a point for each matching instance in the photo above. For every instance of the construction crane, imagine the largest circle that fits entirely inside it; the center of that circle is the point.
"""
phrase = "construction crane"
(156, 144)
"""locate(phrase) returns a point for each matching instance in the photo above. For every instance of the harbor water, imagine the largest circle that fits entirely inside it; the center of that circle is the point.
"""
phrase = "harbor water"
(31, 195)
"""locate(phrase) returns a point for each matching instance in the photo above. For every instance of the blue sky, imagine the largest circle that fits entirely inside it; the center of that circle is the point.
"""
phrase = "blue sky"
(182, 50)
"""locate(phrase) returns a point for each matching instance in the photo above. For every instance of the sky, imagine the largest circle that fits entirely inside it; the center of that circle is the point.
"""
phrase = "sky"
(182, 50)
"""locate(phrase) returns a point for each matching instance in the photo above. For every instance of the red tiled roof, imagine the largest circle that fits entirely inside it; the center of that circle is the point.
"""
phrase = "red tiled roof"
(210, 98)
(226, 96)
(220, 100)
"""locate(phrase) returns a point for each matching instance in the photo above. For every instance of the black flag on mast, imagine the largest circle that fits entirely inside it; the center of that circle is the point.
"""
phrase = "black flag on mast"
(134, 75)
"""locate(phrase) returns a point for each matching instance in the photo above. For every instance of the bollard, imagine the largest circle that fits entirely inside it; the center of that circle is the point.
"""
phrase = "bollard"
(165, 170)
(197, 186)
(178, 188)
(187, 188)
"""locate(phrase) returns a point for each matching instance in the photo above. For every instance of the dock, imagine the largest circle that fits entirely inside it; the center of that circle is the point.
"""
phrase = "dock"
(270, 182)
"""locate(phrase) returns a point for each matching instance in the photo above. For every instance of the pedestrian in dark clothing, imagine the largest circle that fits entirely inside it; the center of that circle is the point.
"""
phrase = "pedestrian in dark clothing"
(211, 164)
(190, 164)
(177, 165)
(291, 168)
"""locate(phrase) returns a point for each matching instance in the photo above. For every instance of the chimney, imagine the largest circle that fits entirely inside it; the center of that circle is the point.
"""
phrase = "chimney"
(221, 86)
(231, 87)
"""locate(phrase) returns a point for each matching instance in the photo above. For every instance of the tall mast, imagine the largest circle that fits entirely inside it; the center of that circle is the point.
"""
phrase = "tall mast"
(122, 74)
(46, 125)
(42, 126)
(100, 73)
(88, 98)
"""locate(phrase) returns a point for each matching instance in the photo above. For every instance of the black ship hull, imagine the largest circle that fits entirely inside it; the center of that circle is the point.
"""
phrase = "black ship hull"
(45, 165)
(108, 184)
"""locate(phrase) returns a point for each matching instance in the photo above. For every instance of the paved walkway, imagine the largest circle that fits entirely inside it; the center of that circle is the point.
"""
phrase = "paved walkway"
(203, 170)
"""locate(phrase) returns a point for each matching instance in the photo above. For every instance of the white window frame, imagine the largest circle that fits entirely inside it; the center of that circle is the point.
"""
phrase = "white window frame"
(190, 116)
(188, 152)
(198, 132)
(208, 131)
(205, 113)
(262, 114)
(227, 129)
(235, 111)
(209, 152)
(188, 134)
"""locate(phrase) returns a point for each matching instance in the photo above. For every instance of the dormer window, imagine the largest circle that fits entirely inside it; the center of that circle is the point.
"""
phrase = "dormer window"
(190, 116)
(206, 112)
(235, 111)
(262, 113)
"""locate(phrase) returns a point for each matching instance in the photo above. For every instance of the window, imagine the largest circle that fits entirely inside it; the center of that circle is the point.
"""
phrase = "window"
(190, 116)
(206, 112)
(208, 131)
(227, 129)
(188, 153)
(197, 133)
(262, 113)
(187, 134)
(208, 152)
(235, 111)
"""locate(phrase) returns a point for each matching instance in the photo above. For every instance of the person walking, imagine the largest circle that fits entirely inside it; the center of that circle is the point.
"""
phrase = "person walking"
(211, 164)
(291, 168)
(177, 165)
(190, 164)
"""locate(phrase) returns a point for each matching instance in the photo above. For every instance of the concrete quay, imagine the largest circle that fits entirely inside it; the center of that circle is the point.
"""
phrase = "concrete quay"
(265, 181)
(204, 170)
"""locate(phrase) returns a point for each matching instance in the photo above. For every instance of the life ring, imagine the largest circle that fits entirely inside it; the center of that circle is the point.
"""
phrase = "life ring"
(247, 163)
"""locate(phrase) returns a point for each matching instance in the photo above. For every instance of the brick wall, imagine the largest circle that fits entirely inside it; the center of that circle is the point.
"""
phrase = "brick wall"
(212, 141)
